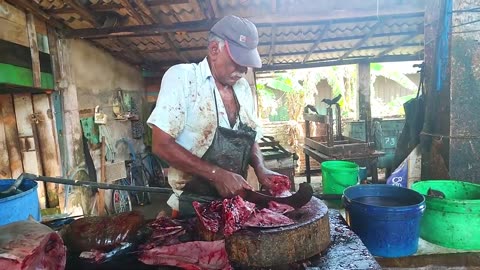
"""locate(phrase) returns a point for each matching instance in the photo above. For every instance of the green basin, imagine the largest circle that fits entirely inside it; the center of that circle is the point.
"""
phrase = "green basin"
(453, 222)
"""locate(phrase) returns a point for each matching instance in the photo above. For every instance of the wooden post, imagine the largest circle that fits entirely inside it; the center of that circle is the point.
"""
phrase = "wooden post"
(364, 98)
(73, 130)
(101, 192)
(330, 136)
(464, 147)
(437, 108)
(57, 119)
(307, 157)
(32, 39)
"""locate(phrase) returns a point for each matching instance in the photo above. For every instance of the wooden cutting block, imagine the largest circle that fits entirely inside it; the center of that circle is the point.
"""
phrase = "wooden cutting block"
(309, 236)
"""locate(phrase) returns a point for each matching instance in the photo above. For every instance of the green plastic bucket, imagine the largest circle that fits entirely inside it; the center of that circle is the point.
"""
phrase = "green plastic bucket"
(338, 175)
(453, 222)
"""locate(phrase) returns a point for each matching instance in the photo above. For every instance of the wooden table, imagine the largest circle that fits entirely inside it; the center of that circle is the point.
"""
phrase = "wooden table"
(368, 160)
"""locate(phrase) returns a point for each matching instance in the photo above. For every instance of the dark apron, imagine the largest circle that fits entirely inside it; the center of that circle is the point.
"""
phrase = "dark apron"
(230, 150)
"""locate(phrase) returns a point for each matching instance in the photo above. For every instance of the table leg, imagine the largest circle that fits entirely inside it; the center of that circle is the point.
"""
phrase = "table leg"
(374, 171)
(307, 168)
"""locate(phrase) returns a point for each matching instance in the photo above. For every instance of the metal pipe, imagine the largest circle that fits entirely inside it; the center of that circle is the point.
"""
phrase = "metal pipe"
(95, 184)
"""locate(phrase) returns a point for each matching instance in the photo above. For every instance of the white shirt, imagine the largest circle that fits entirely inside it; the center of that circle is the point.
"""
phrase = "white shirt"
(185, 110)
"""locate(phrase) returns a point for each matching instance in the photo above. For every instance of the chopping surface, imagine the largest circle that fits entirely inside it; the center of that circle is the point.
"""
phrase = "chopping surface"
(309, 235)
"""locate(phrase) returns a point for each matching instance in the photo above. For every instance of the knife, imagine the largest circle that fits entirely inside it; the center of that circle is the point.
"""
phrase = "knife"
(296, 200)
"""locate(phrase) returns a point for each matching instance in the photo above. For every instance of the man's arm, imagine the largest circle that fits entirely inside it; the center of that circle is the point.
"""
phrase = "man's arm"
(227, 183)
(264, 174)
(257, 161)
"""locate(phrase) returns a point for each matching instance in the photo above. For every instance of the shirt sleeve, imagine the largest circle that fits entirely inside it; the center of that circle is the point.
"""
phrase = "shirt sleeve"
(170, 110)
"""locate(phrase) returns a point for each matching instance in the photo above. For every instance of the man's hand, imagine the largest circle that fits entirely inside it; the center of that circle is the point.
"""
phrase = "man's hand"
(277, 184)
(229, 184)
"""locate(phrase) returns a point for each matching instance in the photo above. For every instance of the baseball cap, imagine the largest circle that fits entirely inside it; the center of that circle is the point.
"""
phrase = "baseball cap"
(241, 38)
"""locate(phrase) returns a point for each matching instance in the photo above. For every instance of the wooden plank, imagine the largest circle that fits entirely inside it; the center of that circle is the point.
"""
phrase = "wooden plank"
(11, 135)
(4, 161)
(34, 8)
(47, 144)
(103, 175)
(83, 11)
(12, 14)
(32, 40)
(317, 146)
(40, 26)
(29, 150)
(13, 32)
(315, 117)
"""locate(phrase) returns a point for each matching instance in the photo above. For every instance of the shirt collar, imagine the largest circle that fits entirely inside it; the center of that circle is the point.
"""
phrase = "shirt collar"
(205, 69)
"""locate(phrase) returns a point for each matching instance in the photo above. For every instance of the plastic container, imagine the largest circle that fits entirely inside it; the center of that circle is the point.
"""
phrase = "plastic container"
(386, 218)
(452, 222)
(338, 175)
(20, 206)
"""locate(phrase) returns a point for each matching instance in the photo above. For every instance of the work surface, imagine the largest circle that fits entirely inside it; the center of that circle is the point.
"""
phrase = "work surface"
(346, 251)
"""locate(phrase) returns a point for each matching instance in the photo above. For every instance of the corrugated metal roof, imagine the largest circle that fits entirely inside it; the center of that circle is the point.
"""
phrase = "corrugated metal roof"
(290, 31)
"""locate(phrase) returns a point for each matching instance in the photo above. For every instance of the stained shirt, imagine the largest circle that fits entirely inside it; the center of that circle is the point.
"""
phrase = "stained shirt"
(185, 110)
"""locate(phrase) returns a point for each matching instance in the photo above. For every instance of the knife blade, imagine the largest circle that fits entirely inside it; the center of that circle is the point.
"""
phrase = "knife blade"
(296, 200)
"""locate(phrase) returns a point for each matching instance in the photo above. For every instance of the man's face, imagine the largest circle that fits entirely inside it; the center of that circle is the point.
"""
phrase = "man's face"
(227, 72)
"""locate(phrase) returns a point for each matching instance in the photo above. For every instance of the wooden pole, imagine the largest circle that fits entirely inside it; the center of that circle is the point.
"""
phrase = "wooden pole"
(364, 98)
(101, 192)
(36, 76)
(32, 40)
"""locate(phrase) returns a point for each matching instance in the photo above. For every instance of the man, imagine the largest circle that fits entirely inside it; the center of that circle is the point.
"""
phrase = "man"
(204, 124)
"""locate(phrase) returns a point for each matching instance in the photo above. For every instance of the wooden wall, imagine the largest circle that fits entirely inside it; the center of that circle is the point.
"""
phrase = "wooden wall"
(13, 25)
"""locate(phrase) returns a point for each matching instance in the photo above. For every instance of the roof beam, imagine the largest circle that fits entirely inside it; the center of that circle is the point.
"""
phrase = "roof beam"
(96, 8)
(323, 63)
(205, 25)
(319, 38)
(272, 44)
(363, 40)
(83, 11)
(135, 15)
(341, 50)
(398, 44)
(207, 9)
(153, 3)
(36, 10)
(336, 62)
(169, 38)
(292, 42)
(141, 30)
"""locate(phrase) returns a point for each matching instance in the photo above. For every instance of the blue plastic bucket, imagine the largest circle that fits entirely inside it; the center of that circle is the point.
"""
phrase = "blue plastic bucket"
(20, 206)
(386, 218)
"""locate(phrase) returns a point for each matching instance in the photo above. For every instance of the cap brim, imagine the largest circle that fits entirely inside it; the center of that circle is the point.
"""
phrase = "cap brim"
(244, 57)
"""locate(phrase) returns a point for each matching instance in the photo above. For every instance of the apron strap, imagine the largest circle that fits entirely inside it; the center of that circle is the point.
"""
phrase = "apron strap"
(216, 106)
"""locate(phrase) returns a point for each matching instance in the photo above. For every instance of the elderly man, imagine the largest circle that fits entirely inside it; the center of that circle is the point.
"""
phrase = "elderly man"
(204, 124)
